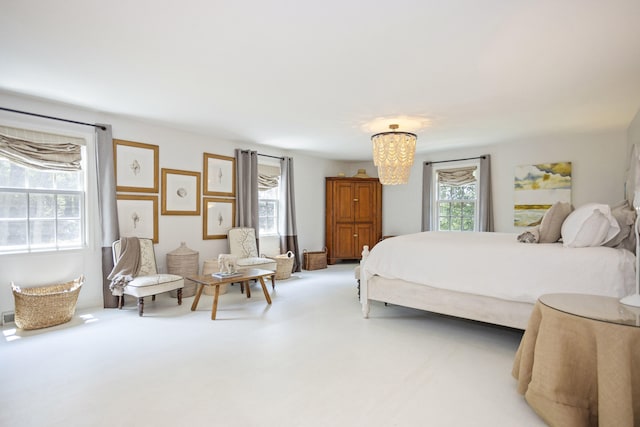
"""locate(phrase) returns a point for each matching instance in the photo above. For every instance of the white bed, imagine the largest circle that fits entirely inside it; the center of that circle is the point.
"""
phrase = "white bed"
(489, 277)
(494, 278)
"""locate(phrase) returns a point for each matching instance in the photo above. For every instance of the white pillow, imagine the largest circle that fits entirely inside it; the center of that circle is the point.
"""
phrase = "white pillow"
(589, 225)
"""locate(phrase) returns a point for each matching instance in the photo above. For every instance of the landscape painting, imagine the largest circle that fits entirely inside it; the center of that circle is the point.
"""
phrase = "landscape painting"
(537, 188)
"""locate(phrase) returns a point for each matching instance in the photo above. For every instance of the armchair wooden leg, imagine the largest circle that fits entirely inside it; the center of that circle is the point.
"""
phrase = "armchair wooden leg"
(179, 296)
(140, 306)
(120, 301)
(273, 282)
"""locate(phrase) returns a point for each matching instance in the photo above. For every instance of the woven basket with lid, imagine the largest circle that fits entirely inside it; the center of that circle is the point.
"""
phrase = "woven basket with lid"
(184, 262)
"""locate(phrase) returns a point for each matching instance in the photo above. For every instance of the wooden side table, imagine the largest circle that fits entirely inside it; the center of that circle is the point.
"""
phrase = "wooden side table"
(578, 363)
(243, 277)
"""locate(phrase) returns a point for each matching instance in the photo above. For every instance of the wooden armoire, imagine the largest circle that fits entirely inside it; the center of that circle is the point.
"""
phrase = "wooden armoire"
(353, 216)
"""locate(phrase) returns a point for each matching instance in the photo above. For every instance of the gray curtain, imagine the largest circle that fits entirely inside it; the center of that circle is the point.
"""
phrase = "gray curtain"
(107, 207)
(288, 229)
(247, 189)
(485, 203)
(427, 172)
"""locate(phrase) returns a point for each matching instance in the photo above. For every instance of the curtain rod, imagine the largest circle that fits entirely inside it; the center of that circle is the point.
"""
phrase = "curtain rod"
(455, 160)
(53, 118)
(273, 157)
(263, 155)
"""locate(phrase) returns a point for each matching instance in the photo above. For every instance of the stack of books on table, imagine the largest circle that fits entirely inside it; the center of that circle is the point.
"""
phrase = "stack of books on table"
(223, 275)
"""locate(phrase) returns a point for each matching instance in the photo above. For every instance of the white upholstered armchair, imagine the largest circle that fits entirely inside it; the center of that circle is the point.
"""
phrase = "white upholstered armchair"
(242, 243)
(147, 281)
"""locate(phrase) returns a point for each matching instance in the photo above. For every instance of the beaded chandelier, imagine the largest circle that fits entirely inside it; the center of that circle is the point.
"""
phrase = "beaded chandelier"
(393, 154)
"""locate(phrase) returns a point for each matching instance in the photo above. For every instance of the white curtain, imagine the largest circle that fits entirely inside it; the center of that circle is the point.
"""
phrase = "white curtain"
(40, 150)
(268, 177)
(457, 176)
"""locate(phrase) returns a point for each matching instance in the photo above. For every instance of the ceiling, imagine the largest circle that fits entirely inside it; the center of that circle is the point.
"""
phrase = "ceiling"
(312, 75)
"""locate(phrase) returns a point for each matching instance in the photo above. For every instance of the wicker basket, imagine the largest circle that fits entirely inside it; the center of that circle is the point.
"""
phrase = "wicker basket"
(44, 306)
(315, 260)
(183, 262)
(284, 265)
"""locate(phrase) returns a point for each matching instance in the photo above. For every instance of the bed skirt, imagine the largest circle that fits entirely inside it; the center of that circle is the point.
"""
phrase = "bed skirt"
(468, 306)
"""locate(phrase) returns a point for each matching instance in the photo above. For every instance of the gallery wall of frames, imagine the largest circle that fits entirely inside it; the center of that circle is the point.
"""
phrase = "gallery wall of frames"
(144, 191)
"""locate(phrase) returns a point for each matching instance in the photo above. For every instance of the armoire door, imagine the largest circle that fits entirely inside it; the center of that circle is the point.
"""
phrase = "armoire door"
(345, 240)
(364, 235)
(363, 201)
(344, 200)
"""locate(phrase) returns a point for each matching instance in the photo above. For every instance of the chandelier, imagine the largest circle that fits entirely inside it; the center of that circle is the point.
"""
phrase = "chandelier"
(393, 154)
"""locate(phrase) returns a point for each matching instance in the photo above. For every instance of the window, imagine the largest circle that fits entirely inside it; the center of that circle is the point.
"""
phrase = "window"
(456, 207)
(268, 199)
(268, 205)
(40, 209)
(455, 201)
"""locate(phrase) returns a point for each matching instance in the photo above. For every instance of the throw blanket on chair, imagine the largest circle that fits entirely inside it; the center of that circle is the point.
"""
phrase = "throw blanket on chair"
(127, 265)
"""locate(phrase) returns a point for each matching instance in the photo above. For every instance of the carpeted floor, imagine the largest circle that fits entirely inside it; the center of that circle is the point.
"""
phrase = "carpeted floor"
(309, 359)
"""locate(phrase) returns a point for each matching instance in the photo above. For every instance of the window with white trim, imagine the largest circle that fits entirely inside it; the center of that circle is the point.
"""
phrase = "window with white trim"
(268, 199)
(268, 202)
(41, 210)
(455, 196)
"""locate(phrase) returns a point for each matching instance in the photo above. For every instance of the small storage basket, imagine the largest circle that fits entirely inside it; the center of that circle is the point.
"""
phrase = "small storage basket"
(284, 265)
(315, 260)
(44, 306)
(183, 262)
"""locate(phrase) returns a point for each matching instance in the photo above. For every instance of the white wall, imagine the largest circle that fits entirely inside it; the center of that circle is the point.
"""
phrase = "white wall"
(599, 162)
(178, 150)
(598, 165)
(633, 133)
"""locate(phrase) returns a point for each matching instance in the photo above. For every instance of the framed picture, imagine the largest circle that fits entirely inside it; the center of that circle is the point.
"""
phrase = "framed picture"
(138, 216)
(136, 166)
(537, 188)
(219, 175)
(180, 192)
(219, 217)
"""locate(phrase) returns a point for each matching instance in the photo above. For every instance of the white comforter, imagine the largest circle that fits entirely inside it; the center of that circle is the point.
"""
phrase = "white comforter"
(497, 265)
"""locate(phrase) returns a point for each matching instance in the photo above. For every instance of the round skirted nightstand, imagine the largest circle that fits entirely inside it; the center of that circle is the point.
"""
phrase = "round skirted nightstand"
(578, 361)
